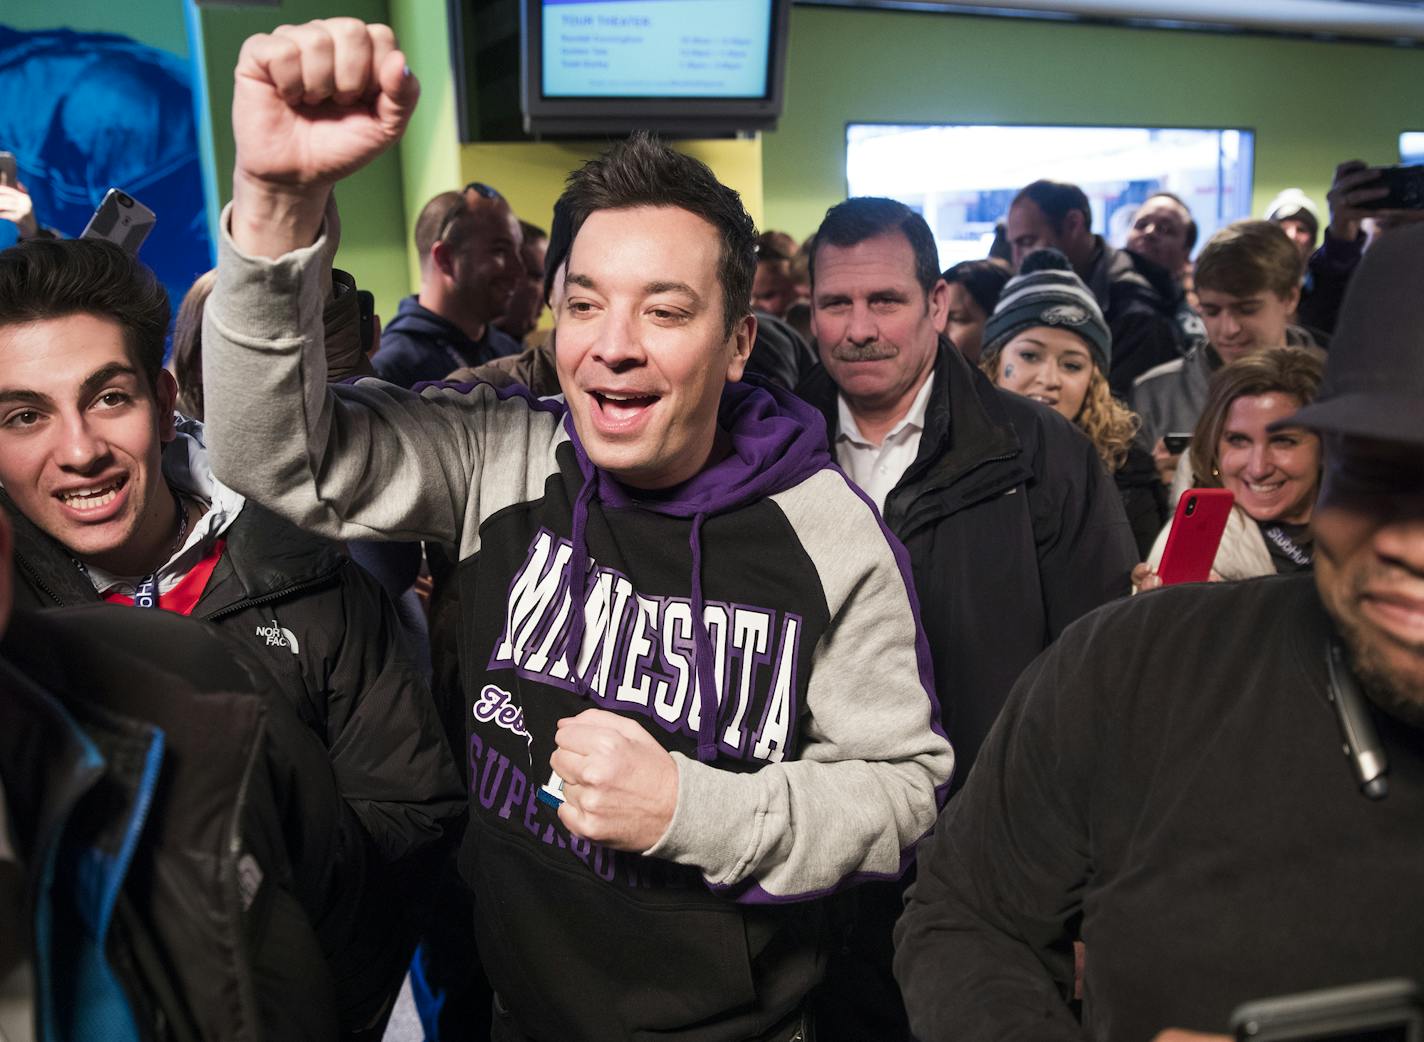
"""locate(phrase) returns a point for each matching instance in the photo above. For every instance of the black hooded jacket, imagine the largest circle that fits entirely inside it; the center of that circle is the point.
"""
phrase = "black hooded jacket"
(330, 637)
(189, 865)
(1013, 528)
(1140, 300)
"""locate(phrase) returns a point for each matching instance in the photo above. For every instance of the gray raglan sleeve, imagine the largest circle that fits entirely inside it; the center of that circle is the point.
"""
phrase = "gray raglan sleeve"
(866, 785)
(361, 461)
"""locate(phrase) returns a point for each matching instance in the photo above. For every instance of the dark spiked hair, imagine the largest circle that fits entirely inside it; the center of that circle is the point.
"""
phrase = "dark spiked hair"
(1057, 200)
(642, 171)
(864, 217)
(45, 278)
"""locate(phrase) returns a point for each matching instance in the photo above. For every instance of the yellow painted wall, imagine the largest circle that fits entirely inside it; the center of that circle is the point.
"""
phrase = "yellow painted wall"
(531, 176)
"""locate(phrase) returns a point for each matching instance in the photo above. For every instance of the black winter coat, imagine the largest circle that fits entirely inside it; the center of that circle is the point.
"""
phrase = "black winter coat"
(1140, 300)
(1144, 497)
(330, 636)
(140, 748)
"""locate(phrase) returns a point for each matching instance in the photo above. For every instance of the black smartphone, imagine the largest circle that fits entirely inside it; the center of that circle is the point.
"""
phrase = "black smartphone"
(366, 306)
(9, 171)
(1376, 1011)
(1176, 443)
(1406, 188)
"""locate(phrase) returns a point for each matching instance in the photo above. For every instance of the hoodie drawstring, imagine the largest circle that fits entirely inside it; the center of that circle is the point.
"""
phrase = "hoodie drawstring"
(702, 653)
(577, 580)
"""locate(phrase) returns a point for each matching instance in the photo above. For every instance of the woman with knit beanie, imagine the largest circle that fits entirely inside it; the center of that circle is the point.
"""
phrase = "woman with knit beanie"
(1048, 341)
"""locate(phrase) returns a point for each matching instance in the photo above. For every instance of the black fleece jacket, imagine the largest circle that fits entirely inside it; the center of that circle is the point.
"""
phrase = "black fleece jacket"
(1166, 784)
(141, 747)
(329, 635)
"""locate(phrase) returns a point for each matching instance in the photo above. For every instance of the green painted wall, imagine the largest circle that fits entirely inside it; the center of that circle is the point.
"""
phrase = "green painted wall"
(1311, 104)
(430, 150)
(372, 215)
(158, 23)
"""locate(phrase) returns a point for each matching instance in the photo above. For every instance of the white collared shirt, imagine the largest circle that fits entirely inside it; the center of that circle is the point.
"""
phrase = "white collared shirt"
(878, 468)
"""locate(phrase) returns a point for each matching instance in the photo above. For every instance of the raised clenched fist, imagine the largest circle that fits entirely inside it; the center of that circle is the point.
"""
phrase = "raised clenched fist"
(312, 104)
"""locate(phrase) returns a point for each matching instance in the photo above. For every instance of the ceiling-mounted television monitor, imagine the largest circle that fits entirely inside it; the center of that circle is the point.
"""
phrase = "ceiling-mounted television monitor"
(684, 67)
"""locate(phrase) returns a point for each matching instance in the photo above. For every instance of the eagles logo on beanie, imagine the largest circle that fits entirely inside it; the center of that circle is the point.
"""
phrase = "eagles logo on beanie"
(1046, 292)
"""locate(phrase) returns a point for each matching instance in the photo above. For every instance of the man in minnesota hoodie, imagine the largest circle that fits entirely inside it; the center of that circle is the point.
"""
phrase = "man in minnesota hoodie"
(681, 620)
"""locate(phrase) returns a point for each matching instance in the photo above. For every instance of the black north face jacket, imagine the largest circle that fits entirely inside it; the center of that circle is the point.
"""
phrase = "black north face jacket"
(190, 869)
(329, 635)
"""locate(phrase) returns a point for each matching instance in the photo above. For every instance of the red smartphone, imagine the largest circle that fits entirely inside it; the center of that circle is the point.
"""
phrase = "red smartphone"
(1195, 535)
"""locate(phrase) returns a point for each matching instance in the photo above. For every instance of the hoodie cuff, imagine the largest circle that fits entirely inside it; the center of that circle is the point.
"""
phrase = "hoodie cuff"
(716, 823)
(274, 300)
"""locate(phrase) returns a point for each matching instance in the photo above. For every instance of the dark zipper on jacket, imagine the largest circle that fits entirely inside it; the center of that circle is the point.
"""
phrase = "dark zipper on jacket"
(931, 490)
(232, 883)
(266, 598)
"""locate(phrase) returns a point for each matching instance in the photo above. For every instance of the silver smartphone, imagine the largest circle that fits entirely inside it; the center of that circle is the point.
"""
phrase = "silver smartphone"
(1376, 1011)
(121, 219)
(9, 172)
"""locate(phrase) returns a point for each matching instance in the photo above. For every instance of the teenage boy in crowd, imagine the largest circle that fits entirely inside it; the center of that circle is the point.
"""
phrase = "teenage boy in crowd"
(706, 657)
(1138, 297)
(1166, 783)
(1013, 527)
(1248, 285)
(112, 499)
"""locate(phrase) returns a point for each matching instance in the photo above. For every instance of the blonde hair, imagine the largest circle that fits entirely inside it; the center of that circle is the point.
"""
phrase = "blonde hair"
(1109, 424)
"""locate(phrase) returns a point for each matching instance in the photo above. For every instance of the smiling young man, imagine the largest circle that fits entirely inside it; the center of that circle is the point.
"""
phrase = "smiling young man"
(1248, 285)
(112, 500)
(696, 696)
(1167, 785)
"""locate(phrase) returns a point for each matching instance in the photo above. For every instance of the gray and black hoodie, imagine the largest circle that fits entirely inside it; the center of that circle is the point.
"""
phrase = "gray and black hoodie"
(758, 621)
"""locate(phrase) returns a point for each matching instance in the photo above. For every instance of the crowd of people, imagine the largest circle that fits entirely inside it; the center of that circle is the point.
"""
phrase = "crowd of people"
(764, 642)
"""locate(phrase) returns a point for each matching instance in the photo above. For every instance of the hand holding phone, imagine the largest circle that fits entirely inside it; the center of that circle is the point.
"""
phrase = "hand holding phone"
(1195, 535)
(1404, 185)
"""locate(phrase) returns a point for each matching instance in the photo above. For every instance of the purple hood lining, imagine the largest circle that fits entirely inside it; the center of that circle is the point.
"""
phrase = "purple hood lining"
(777, 442)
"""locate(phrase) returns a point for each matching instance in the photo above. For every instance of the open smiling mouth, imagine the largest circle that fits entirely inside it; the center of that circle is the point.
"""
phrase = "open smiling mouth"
(93, 498)
(621, 408)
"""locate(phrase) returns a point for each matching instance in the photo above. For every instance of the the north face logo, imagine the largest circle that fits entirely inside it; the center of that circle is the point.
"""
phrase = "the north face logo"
(278, 636)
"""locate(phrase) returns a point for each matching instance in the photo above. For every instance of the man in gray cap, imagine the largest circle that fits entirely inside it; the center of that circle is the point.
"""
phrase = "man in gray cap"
(1166, 783)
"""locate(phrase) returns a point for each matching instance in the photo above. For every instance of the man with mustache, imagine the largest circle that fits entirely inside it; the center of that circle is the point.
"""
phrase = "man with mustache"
(1012, 525)
(1166, 783)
